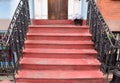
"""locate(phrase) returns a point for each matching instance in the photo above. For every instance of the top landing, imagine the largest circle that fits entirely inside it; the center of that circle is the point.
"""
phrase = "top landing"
(52, 22)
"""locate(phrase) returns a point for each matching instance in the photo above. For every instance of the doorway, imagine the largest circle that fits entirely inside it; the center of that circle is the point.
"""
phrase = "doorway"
(57, 9)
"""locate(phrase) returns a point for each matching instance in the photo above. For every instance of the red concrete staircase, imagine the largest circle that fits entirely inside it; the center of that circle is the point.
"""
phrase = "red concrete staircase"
(57, 51)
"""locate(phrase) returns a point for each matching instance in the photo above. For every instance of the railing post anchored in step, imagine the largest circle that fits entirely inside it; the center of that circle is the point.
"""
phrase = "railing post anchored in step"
(116, 77)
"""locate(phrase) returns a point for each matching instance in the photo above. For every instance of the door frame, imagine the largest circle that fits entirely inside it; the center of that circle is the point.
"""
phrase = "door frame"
(41, 8)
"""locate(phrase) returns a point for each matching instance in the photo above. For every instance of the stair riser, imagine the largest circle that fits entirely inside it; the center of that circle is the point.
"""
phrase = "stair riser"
(37, 37)
(58, 30)
(62, 56)
(85, 80)
(47, 22)
(58, 67)
(60, 46)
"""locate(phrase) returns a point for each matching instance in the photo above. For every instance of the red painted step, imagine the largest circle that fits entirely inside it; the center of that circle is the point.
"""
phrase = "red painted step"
(6, 81)
(58, 53)
(61, 34)
(59, 64)
(62, 51)
(50, 22)
(58, 36)
(59, 44)
(58, 29)
(60, 76)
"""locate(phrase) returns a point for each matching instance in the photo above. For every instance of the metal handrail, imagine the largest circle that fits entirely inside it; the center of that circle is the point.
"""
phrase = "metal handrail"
(12, 42)
(105, 42)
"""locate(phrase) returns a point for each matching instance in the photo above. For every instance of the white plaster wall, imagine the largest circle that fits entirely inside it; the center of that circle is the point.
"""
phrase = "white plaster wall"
(38, 9)
(84, 6)
(41, 8)
(44, 9)
(76, 7)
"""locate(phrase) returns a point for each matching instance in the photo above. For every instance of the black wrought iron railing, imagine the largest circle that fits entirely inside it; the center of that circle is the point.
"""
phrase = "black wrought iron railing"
(12, 43)
(106, 43)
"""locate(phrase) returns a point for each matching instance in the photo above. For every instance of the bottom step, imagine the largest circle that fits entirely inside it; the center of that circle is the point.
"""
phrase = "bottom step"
(6, 81)
(59, 76)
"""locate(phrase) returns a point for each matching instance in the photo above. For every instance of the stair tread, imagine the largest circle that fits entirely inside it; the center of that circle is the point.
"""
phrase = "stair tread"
(64, 51)
(60, 34)
(59, 74)
(54, 61)
(57, 42)
(55, 26)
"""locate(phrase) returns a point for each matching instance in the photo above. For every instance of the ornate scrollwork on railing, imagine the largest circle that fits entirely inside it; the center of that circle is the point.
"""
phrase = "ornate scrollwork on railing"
(106, 44)
(12, 42)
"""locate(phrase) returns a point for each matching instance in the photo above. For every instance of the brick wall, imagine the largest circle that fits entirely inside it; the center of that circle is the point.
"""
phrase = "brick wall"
(110, 8)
